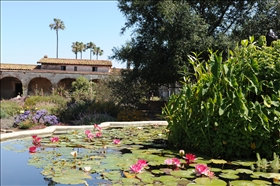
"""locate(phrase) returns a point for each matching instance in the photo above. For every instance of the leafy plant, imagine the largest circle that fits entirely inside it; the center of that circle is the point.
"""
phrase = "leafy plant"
(232, 105)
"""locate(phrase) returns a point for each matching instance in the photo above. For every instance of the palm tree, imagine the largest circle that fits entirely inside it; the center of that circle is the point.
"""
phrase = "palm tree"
(82, 48)
(57, 25)
(97, 51)
(90, 46)
(75, 47)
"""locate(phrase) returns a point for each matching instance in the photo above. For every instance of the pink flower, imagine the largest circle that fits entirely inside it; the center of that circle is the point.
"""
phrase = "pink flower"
(173, 161)
(87, 132)
(116, 141)
(176, 162)
(54, 139)
(98, 134)
(36, 140)
(97, 127)
(142, 162)
(136, 168)
(90, 135)
(190, 158)
(202, 169)
(32, 149)
(34, 136)
(168, 161)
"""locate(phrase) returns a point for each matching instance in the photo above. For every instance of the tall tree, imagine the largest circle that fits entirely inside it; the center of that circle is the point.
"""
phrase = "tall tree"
(266, 16)
(97, 51)
(166, 32)
(82, 48)
(75, 48)
(57, 25)
(90, 46)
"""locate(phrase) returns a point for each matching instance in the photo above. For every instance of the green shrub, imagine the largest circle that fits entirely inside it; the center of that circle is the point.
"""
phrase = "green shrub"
(233, 108)
(53, 103)
(108, 107)
(9, 108)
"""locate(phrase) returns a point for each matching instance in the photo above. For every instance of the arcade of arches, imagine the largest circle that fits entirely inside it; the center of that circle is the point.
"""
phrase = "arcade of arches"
(12, 86)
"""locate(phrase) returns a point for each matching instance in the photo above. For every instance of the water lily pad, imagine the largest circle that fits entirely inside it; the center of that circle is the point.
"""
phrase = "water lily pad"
(157, 171)
(215, 169)
(262, 174)
(246, 171)
(243, 163)
(230, 171)
(261, 182)
(184, 173)
(229, 176)
(218, 161)
(210, 182)
(242, 183)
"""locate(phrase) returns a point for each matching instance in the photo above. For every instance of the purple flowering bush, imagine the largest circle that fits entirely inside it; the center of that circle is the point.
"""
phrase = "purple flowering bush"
(39, 117)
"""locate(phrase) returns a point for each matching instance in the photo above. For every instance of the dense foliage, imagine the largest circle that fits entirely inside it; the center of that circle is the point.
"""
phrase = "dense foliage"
(233, 108)
(166, 32)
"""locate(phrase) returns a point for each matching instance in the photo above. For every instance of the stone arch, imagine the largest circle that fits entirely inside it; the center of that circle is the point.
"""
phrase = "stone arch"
(66, 83)
(10, 87)
(39, 86)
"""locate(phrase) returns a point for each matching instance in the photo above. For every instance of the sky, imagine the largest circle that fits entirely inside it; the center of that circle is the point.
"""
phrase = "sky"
(26, 36)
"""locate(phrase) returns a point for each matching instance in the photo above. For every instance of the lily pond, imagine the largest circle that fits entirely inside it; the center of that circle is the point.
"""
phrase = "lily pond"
(120, 156)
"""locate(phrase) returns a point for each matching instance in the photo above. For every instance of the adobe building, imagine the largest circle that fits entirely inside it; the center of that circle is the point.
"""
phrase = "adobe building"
(21, 79)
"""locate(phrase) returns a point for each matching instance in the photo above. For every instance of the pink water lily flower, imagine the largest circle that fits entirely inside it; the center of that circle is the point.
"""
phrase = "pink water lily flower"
(34, 136)
(97, 127)
(168, 161)
(142, 162)
(32, 149)
(116, 141)
(36, 140)
(173, 161)
(87, 132)
(190, 158)
(176, 162)
(136, 168)
(54, 139)
(201, 169)
(90, 135)
(98, 134)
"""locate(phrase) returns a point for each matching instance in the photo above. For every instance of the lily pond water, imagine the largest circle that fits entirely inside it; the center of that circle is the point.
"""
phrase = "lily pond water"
(119, 156)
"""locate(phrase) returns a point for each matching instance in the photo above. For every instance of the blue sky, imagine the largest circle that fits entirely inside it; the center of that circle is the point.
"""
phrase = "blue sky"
(26, 36)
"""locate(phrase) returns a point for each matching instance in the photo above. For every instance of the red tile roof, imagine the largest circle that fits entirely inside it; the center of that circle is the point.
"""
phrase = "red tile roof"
(75, 61)
(7, 66)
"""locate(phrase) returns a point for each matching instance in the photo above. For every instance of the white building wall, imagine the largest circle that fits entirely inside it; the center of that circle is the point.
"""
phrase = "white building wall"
(80, 68)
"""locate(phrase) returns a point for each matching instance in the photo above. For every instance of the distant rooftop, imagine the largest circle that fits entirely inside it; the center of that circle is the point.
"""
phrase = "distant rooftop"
(64, 61)
(8, 66)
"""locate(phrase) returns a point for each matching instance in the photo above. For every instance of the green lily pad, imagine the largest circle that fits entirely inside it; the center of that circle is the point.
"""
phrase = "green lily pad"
(210, 182)
(242, 183)
(243, 163)
(229, 176)
(261, 182)
(184, 173)
(246, 171)
(218, 161)
(230, 171)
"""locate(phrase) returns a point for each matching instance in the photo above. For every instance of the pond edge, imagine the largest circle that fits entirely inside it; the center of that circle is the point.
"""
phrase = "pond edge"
(63, 129)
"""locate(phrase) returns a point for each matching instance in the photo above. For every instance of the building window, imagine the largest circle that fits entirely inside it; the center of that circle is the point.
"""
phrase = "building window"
(94, 69)
(63, 68)
(75, 68)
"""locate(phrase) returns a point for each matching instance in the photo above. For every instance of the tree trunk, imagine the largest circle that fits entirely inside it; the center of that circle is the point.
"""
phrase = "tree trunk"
(56, 43)
(76, 55)
(90, 53)
(81, 55)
